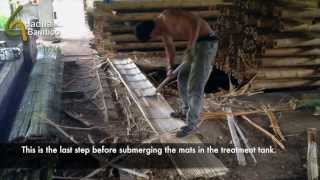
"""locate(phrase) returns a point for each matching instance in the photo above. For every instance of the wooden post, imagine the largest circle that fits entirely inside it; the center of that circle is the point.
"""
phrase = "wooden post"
(313, 171)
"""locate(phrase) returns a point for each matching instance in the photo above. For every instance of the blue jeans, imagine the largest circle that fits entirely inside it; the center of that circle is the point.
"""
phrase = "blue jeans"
(193, 77)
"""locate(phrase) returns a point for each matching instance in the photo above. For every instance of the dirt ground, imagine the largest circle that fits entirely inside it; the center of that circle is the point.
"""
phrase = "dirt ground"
(282, 165)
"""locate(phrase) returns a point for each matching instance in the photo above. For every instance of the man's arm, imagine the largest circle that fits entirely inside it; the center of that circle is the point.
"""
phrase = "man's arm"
(170, 50)
(195, 35)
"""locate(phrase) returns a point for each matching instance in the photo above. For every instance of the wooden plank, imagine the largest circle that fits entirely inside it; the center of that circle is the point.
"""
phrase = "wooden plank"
(157, 111)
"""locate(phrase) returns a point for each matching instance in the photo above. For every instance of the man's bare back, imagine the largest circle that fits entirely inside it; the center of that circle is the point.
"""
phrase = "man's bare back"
(180, 25)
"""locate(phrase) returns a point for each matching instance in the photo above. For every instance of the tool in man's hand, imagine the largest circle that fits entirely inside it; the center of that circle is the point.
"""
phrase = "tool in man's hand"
(169, 78)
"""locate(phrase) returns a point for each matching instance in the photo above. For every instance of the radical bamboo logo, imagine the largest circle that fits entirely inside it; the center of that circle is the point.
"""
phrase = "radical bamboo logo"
(12, 24)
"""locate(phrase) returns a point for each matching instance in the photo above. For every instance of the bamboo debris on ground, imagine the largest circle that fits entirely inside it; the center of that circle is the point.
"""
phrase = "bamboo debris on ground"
(219, 115)
(265, 132)
(312, 158)
(78, 118)
(274, 123)
(245, 141)
(107, 163)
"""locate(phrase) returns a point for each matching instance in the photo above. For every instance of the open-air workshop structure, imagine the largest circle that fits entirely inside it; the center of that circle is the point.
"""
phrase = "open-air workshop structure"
(75, 75)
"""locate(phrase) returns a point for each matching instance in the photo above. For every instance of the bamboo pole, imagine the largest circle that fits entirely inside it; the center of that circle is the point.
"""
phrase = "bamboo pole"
(298, 4)
(295, 42)
(149, 16)
(288, 62)
(309, 13)
(118, 29)
(291, 52)
(286, 73)
(284, 83)
(141, 45)
(130, 38)
(159, 4)
(312, 158)
(303, 28)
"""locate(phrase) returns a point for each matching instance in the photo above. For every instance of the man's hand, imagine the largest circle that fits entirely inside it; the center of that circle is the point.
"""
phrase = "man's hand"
(169, 72)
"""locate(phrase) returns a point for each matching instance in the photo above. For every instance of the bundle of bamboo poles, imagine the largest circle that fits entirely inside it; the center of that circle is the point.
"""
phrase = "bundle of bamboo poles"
(274, 41)
(115, 22)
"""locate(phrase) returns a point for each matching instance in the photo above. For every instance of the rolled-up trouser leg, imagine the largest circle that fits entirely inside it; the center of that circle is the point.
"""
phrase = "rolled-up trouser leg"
(183, 77)
(199, 73)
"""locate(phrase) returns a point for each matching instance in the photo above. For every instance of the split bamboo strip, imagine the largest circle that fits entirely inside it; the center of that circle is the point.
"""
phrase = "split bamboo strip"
(312, 158)
(267, 133)
(235, 138)
(274, 123)
(222, 115)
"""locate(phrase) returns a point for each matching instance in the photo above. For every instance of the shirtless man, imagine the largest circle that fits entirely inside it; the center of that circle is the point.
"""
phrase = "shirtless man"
(201, 50)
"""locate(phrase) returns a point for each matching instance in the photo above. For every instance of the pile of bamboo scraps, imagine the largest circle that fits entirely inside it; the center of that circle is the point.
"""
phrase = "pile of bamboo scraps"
(230, 114)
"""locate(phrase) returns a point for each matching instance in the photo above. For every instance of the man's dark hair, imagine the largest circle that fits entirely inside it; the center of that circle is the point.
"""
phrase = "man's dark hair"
(144, 29)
